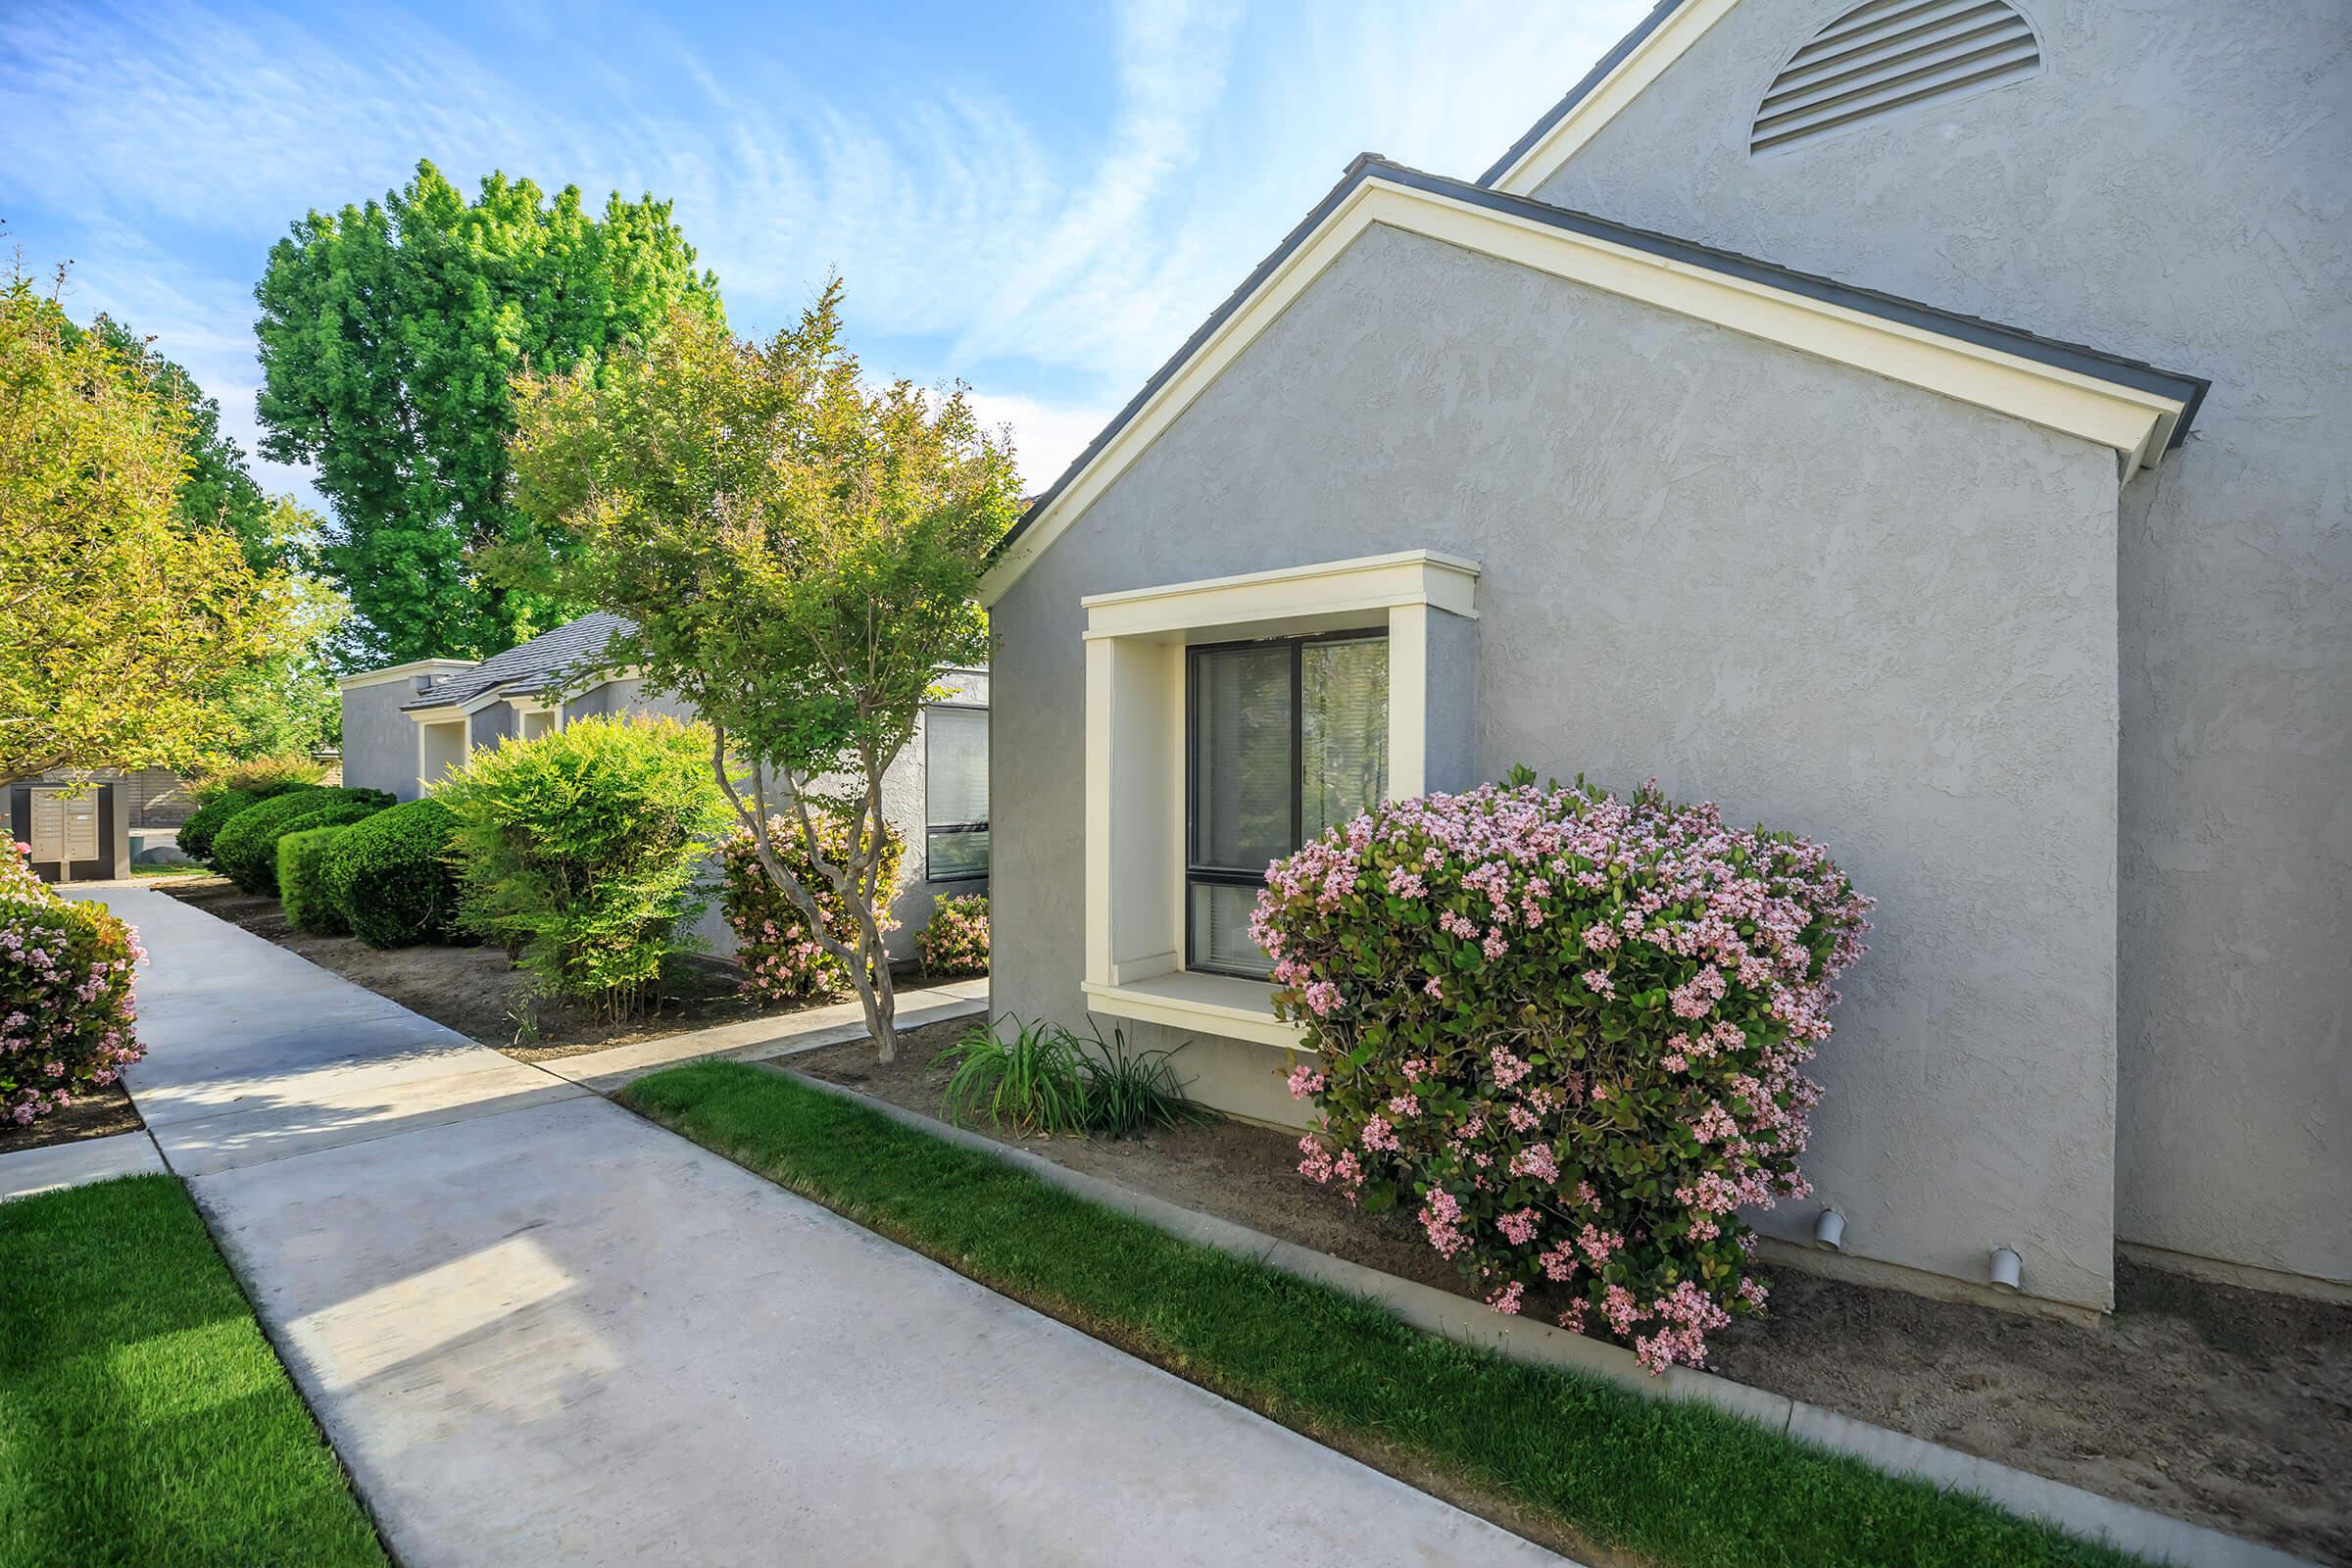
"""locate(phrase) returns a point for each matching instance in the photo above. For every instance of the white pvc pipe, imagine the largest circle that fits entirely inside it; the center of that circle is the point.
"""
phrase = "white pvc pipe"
(2004, 1269)
(1829, 1231)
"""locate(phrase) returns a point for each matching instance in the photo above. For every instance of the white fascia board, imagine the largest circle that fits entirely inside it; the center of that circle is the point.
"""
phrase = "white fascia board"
(2137, 423)
(1645, 64)
(392, 672)
(1291, 593)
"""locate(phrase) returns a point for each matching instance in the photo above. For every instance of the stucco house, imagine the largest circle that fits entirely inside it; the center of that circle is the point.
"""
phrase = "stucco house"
(1918, 424)
(406, 726)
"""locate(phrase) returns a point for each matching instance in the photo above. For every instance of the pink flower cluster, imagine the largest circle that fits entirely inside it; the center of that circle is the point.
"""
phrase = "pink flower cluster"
(954, 940)
(1569, 1028)
(66, 1013)
(778, 952)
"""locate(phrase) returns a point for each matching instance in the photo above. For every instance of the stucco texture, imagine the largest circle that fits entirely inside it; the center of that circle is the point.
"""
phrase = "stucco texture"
(379, 741)
(2176, 186)
(1832, 602)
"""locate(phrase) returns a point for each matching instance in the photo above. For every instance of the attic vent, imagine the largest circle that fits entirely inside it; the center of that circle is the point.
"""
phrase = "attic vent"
(1886, 55)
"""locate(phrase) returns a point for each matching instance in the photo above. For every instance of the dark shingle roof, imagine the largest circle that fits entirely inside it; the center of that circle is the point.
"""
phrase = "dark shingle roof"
(2096, 363)
(1578, 93)
(546, 661)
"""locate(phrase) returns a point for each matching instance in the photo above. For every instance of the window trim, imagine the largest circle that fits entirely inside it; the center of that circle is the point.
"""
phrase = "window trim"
(960, 878)
(1197, 871)
(1137, 772)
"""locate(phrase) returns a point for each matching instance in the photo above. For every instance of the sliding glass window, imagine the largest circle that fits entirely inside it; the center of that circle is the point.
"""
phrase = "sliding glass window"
(1286, 739)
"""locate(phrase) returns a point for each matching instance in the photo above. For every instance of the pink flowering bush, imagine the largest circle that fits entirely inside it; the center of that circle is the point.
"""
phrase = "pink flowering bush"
(955, 942)
(65, 995)
(781, 960)
(1566, 1028)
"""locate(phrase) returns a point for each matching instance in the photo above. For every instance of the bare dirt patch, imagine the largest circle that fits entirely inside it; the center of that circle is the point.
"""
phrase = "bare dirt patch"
(100, 1114)
(476, 990)
(2230, 1409)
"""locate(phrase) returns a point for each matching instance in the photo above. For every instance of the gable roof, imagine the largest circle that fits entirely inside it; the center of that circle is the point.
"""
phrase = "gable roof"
(546, 661)
(2134, 406)
(1639, 59)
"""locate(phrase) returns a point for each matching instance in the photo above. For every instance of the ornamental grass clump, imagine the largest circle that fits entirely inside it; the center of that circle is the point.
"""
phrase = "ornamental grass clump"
(65, 995)
(782, 960)
(1566, 1029)
(956, 940)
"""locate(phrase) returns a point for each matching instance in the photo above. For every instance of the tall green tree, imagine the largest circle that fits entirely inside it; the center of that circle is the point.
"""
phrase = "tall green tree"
(799, 552)
(118, 620)
(219, 491)
(389, 333)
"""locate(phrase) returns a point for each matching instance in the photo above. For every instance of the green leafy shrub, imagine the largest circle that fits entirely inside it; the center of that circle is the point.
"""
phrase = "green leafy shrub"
(582, 851)
(245, 851)
(197, 833)
(781, 960)
(1048, 1080)
(302, 879)
(389, 876)
(956, 941)
(65, 995)
(1568, 1027)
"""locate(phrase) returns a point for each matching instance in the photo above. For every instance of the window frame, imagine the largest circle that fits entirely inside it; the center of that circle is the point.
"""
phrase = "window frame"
(1194, 872)
(930, 827)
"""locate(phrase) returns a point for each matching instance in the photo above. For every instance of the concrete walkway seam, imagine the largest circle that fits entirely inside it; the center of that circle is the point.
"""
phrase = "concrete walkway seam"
(28, 1173)
(2152, 1534)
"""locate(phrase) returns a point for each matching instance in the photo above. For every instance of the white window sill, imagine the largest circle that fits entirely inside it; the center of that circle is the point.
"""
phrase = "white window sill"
(1208, 1003)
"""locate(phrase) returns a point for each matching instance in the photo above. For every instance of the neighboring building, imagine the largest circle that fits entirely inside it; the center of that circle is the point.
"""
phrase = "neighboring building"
(407, 726)
(2046, 641)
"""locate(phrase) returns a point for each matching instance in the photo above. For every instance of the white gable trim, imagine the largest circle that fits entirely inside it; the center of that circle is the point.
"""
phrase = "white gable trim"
(2135, 422)
(1625, 82)
(392, 672)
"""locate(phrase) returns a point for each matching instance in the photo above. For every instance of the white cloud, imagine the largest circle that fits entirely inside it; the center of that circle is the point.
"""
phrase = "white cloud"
(1046, 438)
(975, 234)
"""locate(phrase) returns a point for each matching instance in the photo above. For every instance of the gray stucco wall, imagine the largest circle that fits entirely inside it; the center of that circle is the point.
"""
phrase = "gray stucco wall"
(1832, 602)
(379, 741)
(491, 726)
(2178, 188)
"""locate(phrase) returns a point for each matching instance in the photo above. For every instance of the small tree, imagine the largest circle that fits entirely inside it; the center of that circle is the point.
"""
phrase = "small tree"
(799, 552)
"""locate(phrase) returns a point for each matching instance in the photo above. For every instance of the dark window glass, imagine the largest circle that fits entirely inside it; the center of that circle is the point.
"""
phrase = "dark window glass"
(1287, 739)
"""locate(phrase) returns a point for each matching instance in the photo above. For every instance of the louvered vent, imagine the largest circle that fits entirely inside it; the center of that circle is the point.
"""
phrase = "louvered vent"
(1887, 54)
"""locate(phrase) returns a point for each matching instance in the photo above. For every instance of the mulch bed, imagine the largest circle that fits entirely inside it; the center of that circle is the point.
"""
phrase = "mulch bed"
(2231, 1408)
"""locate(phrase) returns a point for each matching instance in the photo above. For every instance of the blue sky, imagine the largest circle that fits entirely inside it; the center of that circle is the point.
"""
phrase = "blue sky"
(1042, 201)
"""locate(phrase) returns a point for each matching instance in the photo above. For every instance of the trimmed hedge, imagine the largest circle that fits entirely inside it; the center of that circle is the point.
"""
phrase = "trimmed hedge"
(65, 995)
(197, 833)
(389, 880)
(246, 850)
(301, 885)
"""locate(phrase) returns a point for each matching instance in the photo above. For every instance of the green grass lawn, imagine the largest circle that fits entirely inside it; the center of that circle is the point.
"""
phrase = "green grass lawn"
(1654, 1481)
(143, 1417)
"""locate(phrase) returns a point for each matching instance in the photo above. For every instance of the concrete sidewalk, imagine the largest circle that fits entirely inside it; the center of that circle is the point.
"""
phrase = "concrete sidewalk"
(540, 1330)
